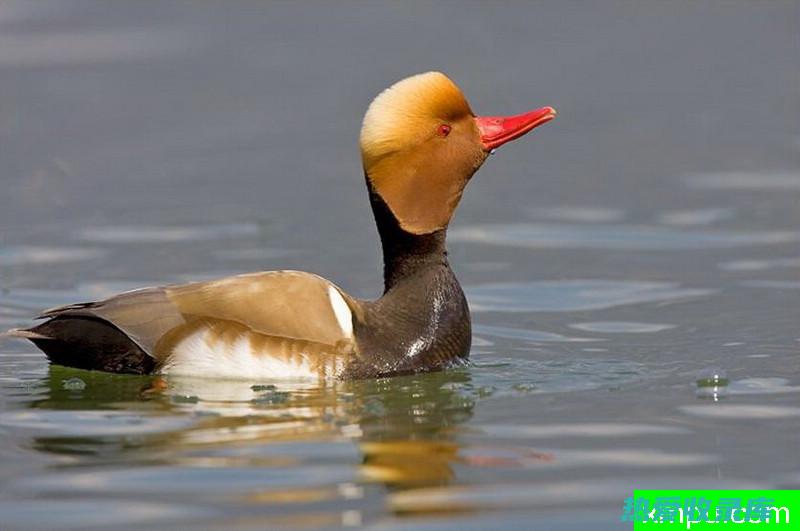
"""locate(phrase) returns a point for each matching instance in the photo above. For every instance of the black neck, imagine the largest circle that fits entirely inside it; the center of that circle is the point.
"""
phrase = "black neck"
(404, 253)
(422, 320)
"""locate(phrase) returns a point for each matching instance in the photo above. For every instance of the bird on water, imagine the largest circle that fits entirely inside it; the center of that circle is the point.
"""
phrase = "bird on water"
(420, 145)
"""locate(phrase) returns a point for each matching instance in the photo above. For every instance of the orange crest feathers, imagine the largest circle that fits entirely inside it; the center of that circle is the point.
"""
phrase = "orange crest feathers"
(398, 115)
(420, 145)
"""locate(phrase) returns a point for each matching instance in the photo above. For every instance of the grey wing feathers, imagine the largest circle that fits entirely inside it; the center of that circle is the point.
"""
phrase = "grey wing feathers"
(60, 310)
(144, 315)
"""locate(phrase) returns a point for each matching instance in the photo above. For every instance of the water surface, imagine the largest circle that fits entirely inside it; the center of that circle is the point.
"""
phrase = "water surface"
(632, 267)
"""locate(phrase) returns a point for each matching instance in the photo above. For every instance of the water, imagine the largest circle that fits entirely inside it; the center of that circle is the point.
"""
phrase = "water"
(632, 267)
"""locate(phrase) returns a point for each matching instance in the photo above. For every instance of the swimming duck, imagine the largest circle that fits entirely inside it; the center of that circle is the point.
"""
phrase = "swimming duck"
(420, 145)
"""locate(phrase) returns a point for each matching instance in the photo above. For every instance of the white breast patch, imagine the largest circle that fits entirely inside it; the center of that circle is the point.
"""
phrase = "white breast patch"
(199, 355)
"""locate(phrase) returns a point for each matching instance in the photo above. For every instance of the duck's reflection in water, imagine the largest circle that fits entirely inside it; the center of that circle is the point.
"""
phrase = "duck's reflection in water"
(399, 432)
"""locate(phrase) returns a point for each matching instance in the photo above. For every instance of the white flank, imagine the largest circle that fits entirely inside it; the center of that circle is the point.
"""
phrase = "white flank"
(197, 355)
(343, 314)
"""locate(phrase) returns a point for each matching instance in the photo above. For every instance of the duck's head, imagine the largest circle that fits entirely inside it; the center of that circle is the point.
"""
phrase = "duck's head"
(421, 143)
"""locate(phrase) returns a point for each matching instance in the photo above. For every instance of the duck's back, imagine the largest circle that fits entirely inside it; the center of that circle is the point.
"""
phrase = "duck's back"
(270, 324)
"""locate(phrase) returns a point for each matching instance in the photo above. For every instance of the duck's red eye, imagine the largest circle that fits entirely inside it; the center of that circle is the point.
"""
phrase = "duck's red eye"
(443, 130)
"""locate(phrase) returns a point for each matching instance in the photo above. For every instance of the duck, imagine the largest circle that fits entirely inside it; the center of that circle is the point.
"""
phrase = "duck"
(420, 146)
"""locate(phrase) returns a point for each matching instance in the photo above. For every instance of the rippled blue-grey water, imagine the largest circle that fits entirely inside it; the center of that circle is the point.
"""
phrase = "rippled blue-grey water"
(633, 267)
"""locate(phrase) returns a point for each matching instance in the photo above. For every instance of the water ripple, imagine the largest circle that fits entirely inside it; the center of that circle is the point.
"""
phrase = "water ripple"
(741, 411)
(87, 47)
(543, 495)
(771, 284)
(92, 423)
(621, 327)
(29, 254)
(700, 216)
(572, 295)
(578, 214)
(35, 300)
(161, 234)
(621, 237)
(514, 376)
(84, 514)
(582, 430)
(760, 265)
(760, 386)
(533, 336)
(746, 181)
